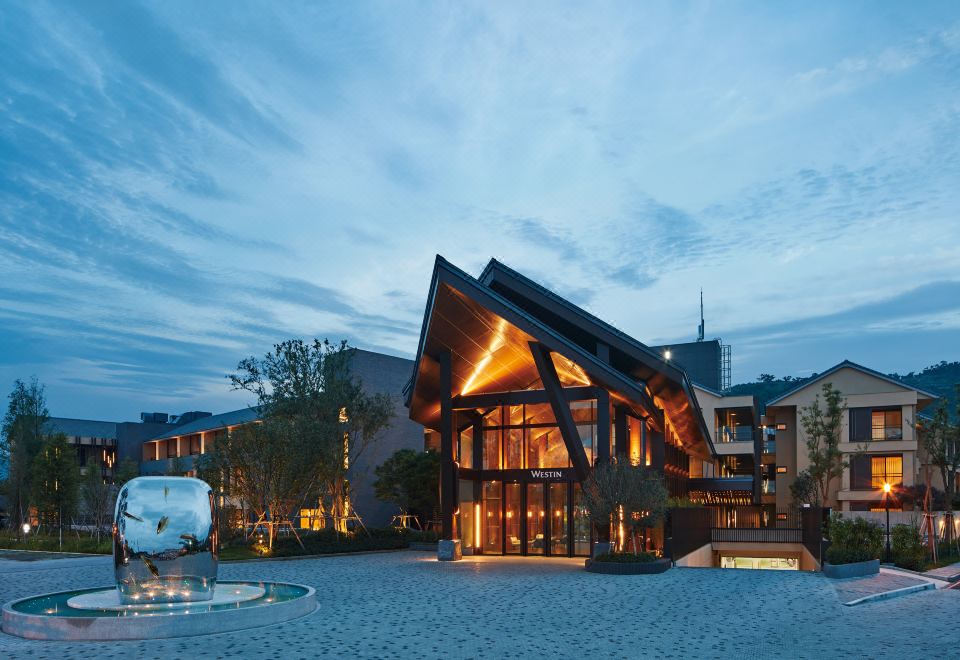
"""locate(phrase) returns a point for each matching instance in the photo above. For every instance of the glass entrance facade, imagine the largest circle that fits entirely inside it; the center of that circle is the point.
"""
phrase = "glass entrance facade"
(518, 494)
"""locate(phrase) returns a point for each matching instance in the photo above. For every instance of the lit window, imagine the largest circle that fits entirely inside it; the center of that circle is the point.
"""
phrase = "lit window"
(885, 469)
(781, 469)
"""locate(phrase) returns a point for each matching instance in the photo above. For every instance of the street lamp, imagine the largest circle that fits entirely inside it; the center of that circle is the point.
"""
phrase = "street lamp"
(886, 501)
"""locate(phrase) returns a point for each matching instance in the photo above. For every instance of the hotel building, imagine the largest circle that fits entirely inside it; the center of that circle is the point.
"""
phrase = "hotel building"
(522, 393)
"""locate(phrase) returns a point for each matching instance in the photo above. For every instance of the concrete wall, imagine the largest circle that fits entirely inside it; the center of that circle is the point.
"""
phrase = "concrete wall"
(382, 374)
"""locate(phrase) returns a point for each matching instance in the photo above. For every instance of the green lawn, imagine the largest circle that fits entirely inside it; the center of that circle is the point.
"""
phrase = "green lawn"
(71, 543)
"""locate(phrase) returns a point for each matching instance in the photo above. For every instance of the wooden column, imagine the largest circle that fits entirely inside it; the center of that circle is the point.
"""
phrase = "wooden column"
(448, 498)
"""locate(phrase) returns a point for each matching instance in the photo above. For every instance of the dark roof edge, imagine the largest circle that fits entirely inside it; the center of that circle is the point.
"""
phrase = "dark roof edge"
(487, 276)
(853, 365)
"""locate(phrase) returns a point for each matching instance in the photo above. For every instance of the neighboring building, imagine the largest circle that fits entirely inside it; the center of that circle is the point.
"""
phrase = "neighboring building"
(878, 435)
(102, 444)
(177, 449)
(523, 392)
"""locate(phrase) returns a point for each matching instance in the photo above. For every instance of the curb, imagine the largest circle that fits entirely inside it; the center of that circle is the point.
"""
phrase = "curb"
(895, 593)
(320, 556)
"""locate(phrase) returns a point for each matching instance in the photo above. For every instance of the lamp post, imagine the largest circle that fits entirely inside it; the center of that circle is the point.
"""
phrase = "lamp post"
(886, 501)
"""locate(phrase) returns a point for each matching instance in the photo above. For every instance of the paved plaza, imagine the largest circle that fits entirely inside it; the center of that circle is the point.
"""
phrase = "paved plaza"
(406, 604)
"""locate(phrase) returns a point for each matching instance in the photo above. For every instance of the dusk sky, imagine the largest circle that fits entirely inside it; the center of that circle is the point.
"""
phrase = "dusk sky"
(182, 184)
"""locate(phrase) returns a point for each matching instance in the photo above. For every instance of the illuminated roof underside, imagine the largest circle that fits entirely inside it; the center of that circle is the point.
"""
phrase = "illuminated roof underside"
(489, 341)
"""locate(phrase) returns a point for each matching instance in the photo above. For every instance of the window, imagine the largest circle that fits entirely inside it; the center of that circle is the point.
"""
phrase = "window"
(886, 425)
(195, 444)
(491, 449)
(781, 469)
(172, 447)
(465, 447)
(875, 424)
(870, 472)
(886, 469)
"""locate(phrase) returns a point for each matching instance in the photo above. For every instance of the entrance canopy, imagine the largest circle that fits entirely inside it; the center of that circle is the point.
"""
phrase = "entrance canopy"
(490, 336)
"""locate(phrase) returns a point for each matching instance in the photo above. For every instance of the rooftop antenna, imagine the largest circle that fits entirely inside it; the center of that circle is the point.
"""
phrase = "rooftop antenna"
(700, 328)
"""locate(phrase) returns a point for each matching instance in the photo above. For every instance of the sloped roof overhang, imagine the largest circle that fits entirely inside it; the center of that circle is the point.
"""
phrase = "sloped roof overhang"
(474, 323)
(669, 383)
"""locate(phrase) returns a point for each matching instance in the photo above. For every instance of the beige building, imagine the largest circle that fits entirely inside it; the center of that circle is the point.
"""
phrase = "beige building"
(878, 435)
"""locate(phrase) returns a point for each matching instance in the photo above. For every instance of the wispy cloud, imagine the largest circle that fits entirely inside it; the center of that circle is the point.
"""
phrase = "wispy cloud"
(181, 186)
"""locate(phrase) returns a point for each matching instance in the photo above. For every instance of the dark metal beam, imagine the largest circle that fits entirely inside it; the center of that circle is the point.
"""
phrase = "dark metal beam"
(561, 409)
(516, 397)
(620, 440)
(448, 475)
(602, 448)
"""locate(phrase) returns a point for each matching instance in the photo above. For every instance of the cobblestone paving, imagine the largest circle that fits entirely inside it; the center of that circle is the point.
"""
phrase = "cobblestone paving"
(406, 604)
(853, 588)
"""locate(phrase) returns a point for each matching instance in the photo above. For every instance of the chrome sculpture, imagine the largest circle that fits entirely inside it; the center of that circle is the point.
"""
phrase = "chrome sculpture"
(165, 540)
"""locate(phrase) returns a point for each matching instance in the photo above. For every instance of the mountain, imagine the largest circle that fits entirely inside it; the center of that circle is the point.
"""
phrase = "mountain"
(939, 379)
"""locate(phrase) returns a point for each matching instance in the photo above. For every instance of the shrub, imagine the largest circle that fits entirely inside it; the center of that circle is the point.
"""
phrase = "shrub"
(853, 540)
(627, 557)
(908, 550)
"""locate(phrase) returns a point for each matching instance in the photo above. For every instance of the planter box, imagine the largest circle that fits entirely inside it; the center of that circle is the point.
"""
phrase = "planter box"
(626, 568)
(856, 569)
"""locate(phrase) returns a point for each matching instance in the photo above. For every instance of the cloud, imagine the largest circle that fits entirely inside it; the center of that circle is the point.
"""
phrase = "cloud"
(182, 186)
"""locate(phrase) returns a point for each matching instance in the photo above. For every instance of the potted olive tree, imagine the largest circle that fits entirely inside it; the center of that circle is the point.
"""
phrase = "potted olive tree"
(855, 547)
(618, 493)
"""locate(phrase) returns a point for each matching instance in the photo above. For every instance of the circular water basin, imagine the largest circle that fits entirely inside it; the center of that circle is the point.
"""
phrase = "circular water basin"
(96, 614)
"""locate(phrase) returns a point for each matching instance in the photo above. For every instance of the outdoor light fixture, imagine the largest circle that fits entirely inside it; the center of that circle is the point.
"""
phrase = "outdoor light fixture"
(886, 502)
(666, 354)
(26, 528)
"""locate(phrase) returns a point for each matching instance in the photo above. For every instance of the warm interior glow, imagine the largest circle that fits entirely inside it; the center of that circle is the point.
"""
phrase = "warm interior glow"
(496, 343)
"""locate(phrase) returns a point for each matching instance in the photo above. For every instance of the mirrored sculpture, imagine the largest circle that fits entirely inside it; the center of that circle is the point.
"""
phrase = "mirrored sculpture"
(165, 540)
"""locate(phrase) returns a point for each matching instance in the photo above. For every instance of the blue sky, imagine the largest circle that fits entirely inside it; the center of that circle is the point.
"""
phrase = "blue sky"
(183, 184)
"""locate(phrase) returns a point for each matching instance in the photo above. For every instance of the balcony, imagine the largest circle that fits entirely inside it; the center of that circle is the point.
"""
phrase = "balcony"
(770, 447)
(882, 433)
(740, 433)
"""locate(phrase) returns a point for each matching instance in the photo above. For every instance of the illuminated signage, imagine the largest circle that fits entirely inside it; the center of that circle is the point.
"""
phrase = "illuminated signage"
(546, 474)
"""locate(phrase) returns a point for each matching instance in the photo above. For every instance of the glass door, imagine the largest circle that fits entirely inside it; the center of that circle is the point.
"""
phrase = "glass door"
(559, 519)
(512, 510)
(536, 523)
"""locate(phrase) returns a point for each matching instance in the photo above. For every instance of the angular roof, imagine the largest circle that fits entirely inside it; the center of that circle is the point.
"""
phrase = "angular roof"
(665, 379)
(847, 364)
(85, 428)
(223, 420)
(488, 334)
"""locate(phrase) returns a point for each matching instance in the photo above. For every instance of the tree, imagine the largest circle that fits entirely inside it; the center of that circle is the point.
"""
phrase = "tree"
(55, 480)
(409, 479)
(22, 438)
(823, 435)
(941, 440)
(126, 470)
(618, 492)
(804, 489)
(97, 496)
(315, 420)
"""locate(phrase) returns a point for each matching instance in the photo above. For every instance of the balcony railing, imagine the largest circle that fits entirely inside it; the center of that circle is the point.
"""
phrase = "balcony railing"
(756, 535)
(735, 433)
(881, 433)
(768, 486)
